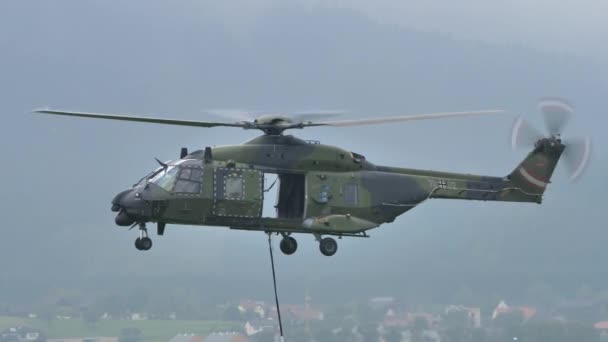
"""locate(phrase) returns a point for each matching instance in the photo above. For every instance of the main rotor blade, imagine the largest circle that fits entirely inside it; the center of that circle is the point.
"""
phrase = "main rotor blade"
(139, 119)
(577, 156)
(314, 115)
(556, 113)
(362, 122)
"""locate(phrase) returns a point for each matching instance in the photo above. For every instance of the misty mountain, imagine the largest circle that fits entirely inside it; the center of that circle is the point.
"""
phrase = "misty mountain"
(178, 60)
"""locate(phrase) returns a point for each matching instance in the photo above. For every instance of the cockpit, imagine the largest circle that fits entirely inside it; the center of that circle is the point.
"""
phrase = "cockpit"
(165, 178)
(182, 176)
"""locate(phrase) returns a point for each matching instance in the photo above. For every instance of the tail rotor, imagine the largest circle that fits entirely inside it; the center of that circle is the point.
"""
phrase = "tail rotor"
(556, 115)
(523, 135)
(577, 155)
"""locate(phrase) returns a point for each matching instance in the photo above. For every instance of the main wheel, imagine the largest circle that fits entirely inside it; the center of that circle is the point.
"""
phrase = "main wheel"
(146, 243)
(138, 244)
(143, 244)
(328, 246)
(288, 245)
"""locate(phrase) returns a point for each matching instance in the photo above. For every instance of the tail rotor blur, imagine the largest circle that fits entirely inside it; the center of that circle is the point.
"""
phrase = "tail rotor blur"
(577, 155)
(556, 115)
(523, 135)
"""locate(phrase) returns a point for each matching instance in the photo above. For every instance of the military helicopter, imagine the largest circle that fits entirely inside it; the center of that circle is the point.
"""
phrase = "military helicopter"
(323, 190)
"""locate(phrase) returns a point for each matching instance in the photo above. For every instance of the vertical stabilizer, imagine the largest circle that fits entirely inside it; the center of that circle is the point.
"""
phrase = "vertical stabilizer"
(533, 174)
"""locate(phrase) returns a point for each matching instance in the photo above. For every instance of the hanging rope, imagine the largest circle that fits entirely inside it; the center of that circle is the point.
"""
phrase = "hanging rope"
(272, 185)
(274, 281)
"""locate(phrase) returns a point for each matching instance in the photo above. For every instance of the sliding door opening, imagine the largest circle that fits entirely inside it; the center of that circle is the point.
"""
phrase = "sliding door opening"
(285, 195)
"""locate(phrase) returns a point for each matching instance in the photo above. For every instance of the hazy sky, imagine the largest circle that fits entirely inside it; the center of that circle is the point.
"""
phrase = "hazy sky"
(177, 59)
(576, 27)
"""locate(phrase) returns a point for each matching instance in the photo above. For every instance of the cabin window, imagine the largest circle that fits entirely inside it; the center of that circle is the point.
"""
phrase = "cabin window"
(189, 181)
(187, 187)
(351, 194)
(358, 158)
(234, 188)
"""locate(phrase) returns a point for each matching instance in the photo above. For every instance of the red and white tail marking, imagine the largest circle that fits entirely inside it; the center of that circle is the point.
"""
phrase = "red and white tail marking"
(532, 179)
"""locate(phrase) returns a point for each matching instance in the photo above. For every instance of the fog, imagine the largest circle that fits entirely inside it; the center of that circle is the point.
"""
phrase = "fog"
(574, 27)
(179, 59)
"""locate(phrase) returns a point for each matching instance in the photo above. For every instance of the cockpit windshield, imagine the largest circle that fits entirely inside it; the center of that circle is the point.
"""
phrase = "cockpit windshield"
(183, 176)
(166, 178)
(148, 176)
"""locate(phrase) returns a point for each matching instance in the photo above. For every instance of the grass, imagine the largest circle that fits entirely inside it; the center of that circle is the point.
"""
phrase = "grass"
(152, 330)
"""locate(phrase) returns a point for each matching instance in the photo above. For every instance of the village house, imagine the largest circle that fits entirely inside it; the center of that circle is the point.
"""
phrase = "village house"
(502, 308)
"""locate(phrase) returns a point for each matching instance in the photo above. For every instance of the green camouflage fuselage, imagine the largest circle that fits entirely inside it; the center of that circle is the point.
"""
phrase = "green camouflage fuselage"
(341, 192)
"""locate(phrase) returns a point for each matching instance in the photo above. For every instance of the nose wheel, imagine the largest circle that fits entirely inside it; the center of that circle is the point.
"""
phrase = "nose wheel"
(143, 242)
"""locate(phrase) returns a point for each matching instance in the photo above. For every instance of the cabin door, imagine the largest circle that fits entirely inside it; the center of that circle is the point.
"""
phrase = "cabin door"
(237, 192)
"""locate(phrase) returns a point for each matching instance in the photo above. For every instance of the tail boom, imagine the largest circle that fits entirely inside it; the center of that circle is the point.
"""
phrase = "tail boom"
(527, 183)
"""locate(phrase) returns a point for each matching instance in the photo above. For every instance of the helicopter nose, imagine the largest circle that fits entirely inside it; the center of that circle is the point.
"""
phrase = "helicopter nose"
(116, 200)
(123, 219)
(127, 205)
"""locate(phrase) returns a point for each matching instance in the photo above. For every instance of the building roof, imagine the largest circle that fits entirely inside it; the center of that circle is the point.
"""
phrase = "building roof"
(502, 308)
(251, 304)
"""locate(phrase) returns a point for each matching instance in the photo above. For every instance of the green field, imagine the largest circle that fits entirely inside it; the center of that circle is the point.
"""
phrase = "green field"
(152, 330)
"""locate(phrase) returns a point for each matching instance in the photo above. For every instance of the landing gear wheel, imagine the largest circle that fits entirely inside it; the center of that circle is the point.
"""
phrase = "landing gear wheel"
(138, 244)
(288, 245)
(328, 246)
(146, 243)
(143, 244)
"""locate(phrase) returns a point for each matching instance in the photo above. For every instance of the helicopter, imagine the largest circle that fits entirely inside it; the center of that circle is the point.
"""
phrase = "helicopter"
(322, 190)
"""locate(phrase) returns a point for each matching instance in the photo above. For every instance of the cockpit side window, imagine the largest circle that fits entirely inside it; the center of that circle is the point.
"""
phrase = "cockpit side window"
(189, 180)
